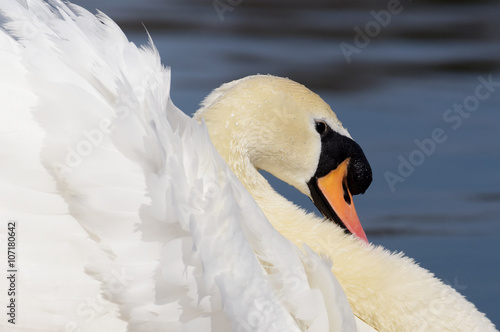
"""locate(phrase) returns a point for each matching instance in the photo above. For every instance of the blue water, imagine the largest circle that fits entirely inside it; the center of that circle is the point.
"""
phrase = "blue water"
(397, 89)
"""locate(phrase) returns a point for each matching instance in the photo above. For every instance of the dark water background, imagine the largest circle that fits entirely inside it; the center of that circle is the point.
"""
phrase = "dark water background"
(397, 89)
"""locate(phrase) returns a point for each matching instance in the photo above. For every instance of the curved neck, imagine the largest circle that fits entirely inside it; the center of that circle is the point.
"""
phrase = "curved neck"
(370, 276)
(281, 212)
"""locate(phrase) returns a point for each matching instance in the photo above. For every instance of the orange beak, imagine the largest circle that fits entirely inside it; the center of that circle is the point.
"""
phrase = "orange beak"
(334, 188)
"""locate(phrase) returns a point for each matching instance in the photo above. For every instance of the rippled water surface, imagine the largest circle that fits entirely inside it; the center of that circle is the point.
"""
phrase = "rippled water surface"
(405, 84)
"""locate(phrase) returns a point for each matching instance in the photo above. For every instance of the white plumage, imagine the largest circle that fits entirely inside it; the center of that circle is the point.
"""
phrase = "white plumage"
(129, 220)
(127, 217)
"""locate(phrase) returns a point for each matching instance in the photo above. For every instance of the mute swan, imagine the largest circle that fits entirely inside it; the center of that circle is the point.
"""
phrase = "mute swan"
(274, 124)
(123, 217)
(128, 219)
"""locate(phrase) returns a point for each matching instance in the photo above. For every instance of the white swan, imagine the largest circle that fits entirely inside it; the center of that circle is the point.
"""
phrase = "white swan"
(270, 123)
(128, 219)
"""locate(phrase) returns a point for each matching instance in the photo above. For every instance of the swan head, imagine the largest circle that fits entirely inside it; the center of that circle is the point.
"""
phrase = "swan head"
(280, 126)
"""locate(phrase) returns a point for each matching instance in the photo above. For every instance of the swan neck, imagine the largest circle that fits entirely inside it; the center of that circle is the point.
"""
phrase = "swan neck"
(239, 158)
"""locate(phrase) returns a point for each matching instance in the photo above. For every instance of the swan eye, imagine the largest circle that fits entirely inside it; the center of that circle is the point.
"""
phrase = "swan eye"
(321, 128)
